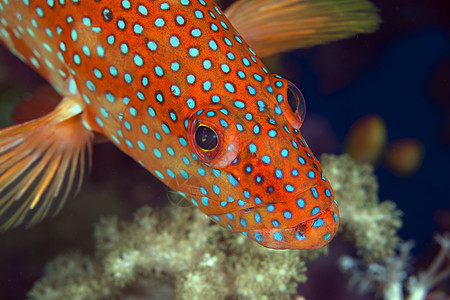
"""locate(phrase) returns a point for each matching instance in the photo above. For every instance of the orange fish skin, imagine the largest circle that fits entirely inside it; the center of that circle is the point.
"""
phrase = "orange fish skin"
(150, 76)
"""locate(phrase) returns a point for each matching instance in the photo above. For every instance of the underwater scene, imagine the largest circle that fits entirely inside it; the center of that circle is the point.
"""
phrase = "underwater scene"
(249, 149)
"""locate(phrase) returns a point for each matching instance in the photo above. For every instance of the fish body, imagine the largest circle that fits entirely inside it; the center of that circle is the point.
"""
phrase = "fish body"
(176, 87)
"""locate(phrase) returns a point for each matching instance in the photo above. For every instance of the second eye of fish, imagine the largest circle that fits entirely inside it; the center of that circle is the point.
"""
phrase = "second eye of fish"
(296, 101)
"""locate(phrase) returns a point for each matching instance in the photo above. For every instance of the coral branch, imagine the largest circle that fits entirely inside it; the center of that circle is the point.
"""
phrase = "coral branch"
(385, 276)
(180, 253)
(179, 250)
(420, 285)
(388, 275)
(372, 225)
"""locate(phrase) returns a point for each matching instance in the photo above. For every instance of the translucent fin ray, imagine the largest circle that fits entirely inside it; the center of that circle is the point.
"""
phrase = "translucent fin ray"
(271, 26)
(42, 164)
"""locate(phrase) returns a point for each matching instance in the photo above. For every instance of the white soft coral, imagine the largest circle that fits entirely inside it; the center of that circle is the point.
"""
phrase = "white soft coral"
(419, 286)
(389, 276)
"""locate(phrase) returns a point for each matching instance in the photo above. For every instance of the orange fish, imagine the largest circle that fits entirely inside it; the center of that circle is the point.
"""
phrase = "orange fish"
(176, 87)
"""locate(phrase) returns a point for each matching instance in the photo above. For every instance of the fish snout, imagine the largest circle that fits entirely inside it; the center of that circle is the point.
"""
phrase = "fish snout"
(313, 233)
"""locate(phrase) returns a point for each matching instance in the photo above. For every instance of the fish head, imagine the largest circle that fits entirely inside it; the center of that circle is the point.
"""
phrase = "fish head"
(265, 182)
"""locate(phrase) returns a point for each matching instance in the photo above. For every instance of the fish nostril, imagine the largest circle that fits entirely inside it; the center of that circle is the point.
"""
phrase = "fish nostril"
(107, 14)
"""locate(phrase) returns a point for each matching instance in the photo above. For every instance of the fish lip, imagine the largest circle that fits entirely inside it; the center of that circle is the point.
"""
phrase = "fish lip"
(199, 196)
(291, 198)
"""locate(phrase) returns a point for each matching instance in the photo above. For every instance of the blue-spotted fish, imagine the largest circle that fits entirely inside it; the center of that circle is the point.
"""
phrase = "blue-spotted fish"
(174, 85)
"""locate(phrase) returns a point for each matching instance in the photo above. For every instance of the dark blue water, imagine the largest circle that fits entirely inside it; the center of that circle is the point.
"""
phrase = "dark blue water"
(396, 87)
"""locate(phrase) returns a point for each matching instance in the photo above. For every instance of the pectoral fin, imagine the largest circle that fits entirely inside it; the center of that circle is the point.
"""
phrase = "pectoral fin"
(273, 26)
(42, 164)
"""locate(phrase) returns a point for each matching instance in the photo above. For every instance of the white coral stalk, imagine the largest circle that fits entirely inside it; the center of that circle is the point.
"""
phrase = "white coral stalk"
(419, 286)
(388, 275)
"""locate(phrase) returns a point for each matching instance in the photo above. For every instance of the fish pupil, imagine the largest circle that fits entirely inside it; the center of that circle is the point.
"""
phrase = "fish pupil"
(206, 138)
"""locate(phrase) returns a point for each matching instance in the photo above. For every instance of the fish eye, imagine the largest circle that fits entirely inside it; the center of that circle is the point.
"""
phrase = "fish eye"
(206, 138)
(296, 101)
(213, 137)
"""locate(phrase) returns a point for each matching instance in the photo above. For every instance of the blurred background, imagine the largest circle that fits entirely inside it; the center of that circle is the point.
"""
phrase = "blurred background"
(384, 98)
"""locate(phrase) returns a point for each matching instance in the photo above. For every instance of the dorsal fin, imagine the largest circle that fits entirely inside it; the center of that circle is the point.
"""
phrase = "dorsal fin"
(42, 164)
(273, 26)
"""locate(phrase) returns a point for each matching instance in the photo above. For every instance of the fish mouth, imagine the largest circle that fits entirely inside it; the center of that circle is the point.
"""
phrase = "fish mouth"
(291, 206)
